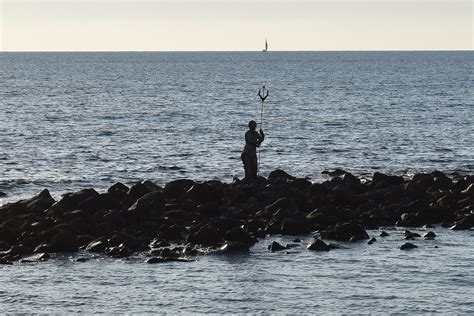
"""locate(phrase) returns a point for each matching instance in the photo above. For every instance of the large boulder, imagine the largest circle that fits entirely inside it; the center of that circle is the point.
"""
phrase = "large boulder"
(279, 175)
(63, 241)
(241, 236)
(292, 226)
(345, 232)
(177, 188)
(71, 201)
(206, 235)
(150, 203)
(318, 245)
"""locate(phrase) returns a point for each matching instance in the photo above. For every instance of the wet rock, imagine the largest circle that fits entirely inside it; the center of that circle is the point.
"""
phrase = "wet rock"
(345, 232)
(168, 253)
(275, 246)
(156, 260)
(141, 188)
(383, 234)
(463, 224)
(204, 193)
(279, 175)
(158, 243)
(71, 201)
(410, 235)
(41, 248)
(232, 246)
(150, 203)
(371, 241)
(8, 234)
(429, 235)
(207, 236)
(241, 236)
(469, 191)
(292, 226)
(118, 189)
(4, 246)
(177, 188)
(37, 257)
(117, 252)
(97, 246)
(296, 240)
(380, 180)
(335, 173)
(5, 261)
(63, 241)
(318, 245)
(2, 194)
(82, 259)
(407, 246)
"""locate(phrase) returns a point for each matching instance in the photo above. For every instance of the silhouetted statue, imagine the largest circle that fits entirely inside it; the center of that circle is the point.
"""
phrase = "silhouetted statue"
(253, 139)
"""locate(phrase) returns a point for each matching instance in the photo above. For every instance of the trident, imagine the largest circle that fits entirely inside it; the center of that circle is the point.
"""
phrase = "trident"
(263, 94)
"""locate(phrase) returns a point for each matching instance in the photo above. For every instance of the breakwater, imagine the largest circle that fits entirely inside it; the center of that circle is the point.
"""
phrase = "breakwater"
(184, 218)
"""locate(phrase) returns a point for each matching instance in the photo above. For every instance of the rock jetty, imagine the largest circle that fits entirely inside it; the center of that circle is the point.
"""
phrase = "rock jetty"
(177, 221)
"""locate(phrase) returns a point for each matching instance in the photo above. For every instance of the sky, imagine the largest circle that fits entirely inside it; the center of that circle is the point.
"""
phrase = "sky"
(235, 25)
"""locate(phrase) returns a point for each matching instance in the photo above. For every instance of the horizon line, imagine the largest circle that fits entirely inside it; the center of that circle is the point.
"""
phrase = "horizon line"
(234, 51)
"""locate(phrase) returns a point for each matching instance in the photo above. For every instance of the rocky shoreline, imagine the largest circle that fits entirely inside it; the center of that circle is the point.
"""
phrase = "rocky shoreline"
(177, 221)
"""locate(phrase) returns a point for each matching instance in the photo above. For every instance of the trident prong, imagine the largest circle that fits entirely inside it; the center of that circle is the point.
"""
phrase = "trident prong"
(265, 95)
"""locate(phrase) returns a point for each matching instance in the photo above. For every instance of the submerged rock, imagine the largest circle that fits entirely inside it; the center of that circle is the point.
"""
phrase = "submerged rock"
(407, 246)
(318, 245)
(275, 246)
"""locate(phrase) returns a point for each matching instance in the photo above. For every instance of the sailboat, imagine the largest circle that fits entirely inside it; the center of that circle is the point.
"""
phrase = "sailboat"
(266, 47)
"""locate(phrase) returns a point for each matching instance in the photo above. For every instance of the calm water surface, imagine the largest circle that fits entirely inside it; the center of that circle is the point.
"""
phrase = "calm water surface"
(379, 278)
(75, 120)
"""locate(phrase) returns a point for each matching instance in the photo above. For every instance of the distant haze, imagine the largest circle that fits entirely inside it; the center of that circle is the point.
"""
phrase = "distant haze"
(106, 25)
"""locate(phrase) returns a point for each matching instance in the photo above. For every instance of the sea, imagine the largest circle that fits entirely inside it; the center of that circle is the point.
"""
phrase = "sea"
(70, 121)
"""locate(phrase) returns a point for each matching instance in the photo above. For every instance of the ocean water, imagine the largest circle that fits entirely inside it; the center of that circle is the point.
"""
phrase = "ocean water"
(75, 120)
(436, 277)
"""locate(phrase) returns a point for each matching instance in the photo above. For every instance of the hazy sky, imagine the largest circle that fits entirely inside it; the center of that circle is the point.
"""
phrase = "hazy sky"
(146, 25)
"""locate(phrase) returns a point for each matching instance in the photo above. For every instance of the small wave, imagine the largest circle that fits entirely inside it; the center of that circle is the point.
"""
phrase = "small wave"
(170, 168)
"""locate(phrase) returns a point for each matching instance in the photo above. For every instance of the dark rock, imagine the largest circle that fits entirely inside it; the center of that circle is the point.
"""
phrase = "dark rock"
(177, 188)
(71, 201)
(232, 246)
(8, 234)
(381, 180)
(240, 236)
(157, 243)
(82, 259)
(37, 257)
(41, 248)
(292, 226)
(279, 175)
(141, 188)
(345, 232)
(469, 191)
(204, 193)
(318, 245)
(318, 217)
(383, 234)
(168, 253)
(296, 240)
(410, 234)
(4, 246)
(63, 241)
(117, 252)
(372, 240)
(156, 260)
(150, 203)
(97, 246)
(189, 206)
(407, 246)
(118, 188)
(207, 236)
(282, 203)
(2, 194)
(429, 235)
(275, 246)
(335, 173)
